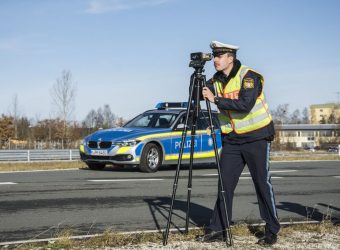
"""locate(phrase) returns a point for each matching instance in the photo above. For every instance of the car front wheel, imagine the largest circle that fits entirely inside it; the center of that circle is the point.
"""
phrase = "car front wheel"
(151, 158)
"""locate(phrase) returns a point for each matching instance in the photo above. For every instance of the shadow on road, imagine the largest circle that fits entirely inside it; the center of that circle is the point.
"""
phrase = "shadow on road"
(131, 168)
(200, 215)
(310, 213)
(160, 206)
(334, 213)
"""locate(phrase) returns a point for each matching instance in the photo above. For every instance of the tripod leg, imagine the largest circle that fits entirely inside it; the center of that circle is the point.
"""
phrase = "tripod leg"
(184, 134)
(192, 149)
(229, 240)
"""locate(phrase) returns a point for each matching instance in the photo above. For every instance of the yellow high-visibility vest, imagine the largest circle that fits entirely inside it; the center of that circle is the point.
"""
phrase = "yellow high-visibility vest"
(242, 122)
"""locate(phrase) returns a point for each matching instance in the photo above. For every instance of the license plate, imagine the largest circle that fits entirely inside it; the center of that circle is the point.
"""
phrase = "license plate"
(98, 152)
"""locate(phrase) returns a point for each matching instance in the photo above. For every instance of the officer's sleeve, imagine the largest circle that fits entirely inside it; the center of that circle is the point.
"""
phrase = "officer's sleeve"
(210, 86)
(250, 90)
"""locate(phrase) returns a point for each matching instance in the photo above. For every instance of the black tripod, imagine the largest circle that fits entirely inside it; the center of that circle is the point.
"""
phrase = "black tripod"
(197, 82)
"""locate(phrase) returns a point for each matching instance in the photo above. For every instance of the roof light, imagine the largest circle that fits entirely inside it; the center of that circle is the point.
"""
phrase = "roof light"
(172, 105)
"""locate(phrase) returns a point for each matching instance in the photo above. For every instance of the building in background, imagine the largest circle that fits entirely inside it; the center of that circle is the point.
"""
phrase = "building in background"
(328, 113)
(293, 136)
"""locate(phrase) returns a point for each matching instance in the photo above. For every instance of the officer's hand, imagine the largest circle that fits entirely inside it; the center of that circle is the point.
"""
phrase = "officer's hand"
(208, 94)
(208, 130)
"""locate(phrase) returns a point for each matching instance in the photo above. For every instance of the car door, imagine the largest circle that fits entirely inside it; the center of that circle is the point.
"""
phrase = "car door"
(177, 139)
(207, 147)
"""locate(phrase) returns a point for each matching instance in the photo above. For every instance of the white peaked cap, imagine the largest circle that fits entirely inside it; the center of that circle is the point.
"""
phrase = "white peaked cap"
(216, 44)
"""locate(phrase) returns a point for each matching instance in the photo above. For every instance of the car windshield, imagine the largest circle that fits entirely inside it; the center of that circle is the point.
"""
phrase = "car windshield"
(152, 120)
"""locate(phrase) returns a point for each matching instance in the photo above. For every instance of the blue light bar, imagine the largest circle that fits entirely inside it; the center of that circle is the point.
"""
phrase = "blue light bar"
(172, 105)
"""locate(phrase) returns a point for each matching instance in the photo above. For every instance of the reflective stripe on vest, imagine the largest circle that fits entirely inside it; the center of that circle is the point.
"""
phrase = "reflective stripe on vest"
(242, 122)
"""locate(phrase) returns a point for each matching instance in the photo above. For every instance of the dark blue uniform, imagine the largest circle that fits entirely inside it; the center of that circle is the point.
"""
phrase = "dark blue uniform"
(239, 149)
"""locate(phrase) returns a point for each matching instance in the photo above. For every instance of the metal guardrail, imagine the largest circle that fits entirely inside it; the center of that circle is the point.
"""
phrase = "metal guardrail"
(39, 155)
(73, 154)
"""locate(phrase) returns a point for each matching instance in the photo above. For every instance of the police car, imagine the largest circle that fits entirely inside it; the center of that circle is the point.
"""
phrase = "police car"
(151, 139)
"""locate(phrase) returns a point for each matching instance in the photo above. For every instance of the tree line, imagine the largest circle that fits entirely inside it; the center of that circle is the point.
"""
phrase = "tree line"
(60, 131)
(282, 115)
(17, 131)
(53, 133)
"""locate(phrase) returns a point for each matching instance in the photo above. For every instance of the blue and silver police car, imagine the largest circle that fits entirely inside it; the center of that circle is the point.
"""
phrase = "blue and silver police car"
(150, 140)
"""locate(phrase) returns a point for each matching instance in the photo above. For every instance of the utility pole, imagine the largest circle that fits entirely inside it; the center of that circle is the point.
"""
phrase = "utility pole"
(337, 97)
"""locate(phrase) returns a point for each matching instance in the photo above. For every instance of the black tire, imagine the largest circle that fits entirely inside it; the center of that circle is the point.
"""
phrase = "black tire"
(151, 158)
(96, 166)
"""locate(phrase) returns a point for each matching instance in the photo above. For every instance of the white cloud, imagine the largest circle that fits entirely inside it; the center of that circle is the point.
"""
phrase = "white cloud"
(105, 6)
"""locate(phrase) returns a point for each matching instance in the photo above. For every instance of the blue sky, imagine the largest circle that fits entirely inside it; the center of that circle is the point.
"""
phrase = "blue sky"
(132, 54)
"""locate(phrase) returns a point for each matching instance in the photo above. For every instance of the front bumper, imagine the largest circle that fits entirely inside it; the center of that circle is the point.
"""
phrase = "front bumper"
(115, 155)
(117, 159)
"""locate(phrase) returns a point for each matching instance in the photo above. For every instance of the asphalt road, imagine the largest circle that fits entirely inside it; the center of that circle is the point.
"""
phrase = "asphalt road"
(43, 204)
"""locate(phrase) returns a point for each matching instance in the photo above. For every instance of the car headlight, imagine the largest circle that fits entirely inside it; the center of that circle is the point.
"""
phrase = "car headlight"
(127, 143)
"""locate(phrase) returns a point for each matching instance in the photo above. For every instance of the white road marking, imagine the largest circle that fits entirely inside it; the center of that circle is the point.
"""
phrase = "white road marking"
(249, 178)
(41, 170)
(7, 183)
(302, 161)
(124, 180)
(275, 171)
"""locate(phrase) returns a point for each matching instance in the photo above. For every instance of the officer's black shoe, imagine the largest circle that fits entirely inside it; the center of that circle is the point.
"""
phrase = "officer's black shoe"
(268, 239)
(211, 235)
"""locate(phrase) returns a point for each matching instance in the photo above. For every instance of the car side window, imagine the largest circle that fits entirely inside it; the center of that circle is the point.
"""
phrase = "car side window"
(165, 120)
(203, 121)
(182, 120)
(144, 121)
(216, 122)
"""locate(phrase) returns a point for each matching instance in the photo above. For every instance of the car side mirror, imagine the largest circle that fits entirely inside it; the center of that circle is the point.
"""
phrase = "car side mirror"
(180, 126)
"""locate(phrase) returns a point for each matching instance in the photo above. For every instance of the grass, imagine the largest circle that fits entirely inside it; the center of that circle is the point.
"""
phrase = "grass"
(310, 157)
(16, 166)
(241, 233)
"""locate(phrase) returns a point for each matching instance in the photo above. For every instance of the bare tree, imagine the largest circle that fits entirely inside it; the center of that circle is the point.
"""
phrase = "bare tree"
(63, 95)
(6, 130)
(332, 118)
(280, 114)
(120, 122)
(99, 118)
(109, 117)
(14, 112)
(295, 117)
(90, 121)
(305, 116)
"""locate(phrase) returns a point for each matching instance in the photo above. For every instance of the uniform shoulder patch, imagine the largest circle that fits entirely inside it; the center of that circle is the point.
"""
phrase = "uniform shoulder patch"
(248, 83)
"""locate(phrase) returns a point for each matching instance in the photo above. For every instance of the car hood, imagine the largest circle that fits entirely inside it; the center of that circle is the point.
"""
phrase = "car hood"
(120, 134)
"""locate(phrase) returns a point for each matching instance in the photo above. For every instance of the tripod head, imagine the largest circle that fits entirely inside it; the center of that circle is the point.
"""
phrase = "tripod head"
(197, 81)
(198, 60)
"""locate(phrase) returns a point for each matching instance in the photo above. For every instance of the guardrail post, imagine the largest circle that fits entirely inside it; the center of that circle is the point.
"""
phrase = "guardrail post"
(70, 154)
(28, 155)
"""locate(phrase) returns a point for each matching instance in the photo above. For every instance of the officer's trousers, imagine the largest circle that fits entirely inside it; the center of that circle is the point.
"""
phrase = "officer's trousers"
(233, 159)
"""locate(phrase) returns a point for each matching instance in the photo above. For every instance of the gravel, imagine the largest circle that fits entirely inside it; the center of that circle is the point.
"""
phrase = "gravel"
(298, 240)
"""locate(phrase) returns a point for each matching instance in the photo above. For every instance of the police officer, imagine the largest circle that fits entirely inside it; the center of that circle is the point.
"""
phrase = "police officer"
(247, 129)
